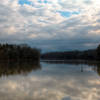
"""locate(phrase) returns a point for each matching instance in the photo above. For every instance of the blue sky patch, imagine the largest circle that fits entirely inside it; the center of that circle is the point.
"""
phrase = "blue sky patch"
(43, 1)
(68, 14)
(22, 2)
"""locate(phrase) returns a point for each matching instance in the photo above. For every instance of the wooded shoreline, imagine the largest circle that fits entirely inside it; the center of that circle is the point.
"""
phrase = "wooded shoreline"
(93, 54)
(11, 52)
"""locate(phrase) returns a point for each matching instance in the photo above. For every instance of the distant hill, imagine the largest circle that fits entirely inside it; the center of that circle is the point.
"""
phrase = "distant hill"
(69, 55)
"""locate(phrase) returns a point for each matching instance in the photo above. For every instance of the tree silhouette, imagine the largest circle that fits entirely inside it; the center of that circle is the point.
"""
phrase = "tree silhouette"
(18, 52)
(98, 52)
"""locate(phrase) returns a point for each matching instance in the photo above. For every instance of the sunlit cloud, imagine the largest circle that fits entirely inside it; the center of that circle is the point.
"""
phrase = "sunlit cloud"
(50, 20)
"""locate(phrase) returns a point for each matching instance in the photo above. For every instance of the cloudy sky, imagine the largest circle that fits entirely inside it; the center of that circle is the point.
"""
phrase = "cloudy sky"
(51, 25)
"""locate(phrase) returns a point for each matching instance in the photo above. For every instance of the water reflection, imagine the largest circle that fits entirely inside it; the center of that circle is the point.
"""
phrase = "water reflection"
(98, 68)
(94, 64)
(12, 68)
(53, 82)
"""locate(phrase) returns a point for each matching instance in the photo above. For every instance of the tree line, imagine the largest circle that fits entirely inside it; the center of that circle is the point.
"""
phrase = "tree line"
(75, 55)
(18, 52)
(25, 52)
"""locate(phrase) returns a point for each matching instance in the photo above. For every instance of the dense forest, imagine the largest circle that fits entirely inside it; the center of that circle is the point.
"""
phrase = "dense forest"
(18, 52)
(73, 55)
(25, 52)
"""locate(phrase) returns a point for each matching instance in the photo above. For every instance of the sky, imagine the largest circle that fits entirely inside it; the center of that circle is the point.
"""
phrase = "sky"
(51, 25)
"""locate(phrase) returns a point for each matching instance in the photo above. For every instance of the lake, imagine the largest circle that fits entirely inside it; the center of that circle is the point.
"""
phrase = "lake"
(50, 81)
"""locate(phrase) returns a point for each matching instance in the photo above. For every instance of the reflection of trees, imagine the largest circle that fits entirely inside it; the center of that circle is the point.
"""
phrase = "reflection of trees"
(94, 64)
(12, 68)
(72, 62)
(98, 69)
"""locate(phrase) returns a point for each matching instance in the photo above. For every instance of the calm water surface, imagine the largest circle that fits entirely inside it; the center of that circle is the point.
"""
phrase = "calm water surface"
(50, 82)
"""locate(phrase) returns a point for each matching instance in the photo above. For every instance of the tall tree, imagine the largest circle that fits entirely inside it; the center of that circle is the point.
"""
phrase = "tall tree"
(98, 52)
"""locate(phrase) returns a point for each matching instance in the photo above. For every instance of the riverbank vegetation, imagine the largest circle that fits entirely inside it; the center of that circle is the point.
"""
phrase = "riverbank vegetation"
(9, 52)
(93, 54)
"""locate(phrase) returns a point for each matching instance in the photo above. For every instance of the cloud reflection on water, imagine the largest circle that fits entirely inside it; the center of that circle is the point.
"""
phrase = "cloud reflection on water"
(53, 82)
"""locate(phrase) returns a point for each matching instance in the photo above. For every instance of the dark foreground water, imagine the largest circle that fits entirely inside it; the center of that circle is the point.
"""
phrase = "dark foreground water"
(50, 82)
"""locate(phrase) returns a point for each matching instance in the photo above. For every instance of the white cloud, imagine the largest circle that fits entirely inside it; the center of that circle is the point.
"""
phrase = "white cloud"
(42, 21)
